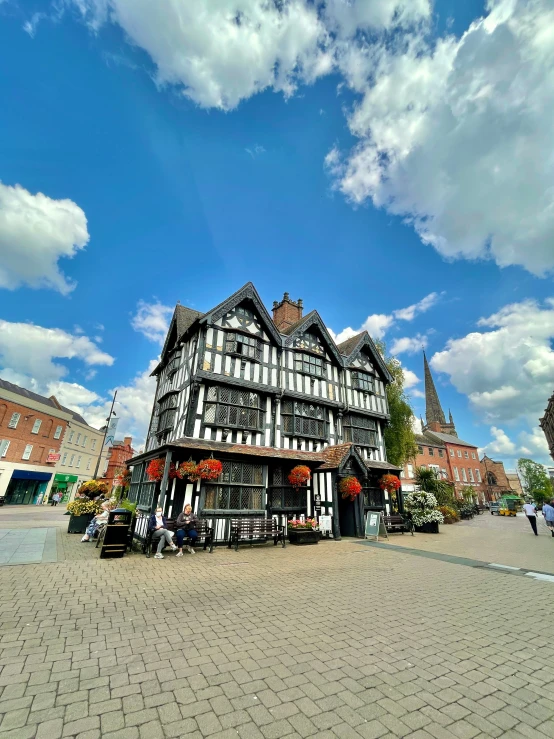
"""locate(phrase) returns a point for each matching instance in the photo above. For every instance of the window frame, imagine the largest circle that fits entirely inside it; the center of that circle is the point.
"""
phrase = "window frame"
(58, 432)
(79, 459)
(36, 428)
(466, 454)
(303, 418)
(464, 474)
(456, 474)
(226, 487)
(353, 432)
(459, 453)
(64, 459)
(71, 435)
(12, 423)
(441, 453)
(478, 475)
(360, 378)
(303, 360)
(235, 339)
(431, 451)
(243, 413)
(93, 445)
(27, 452)
(71, 460)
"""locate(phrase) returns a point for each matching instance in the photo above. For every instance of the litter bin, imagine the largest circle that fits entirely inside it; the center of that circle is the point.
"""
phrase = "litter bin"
(114, 543)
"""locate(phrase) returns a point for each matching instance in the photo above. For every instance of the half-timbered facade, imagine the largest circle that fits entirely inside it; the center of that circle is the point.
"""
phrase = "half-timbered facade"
(263, 393)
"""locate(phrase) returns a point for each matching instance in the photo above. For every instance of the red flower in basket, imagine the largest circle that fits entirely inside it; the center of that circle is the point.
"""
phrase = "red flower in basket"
(299, 475)
(390, 483)
(350, 487)
(155, 470)
(188, 469)
(209, 469)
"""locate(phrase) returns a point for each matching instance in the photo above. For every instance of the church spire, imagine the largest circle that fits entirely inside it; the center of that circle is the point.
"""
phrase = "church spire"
(433, 410)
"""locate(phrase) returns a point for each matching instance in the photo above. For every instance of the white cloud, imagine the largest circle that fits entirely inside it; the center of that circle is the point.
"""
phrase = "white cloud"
(410, 379)
(529, 444)
(32, 350)
(507, 368)
(152, 320)
(455, 136)
(35, 233)
(378, 324)
(255, 150)
(409, 345)
(501, 446)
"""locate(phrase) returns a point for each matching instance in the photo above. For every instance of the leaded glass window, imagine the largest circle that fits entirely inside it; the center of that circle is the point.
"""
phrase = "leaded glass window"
(360, 430)
(304, 419)
(228, 406)
(308, 364)
(281, 494)
(246, 346)
(239, 488)
(362, 381)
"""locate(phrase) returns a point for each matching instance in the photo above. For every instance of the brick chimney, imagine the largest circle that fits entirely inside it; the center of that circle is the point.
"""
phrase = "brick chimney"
(287, 312)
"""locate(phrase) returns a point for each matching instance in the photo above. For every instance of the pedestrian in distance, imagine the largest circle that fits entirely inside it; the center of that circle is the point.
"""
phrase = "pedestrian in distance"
(186, 527)
(548, 513)
(160, 533)
(530, 510)
(56, 499)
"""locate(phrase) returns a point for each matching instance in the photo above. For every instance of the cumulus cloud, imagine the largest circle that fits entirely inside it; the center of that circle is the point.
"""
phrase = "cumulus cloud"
(225, 51)
(505, 369)
(378, 324)
(34, 351)
(152, 320)
(409, 345)
(455, 135)
(35, 233)
(529, 444)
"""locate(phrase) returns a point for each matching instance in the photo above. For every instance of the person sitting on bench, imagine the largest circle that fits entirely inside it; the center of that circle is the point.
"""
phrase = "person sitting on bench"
(98, 522)
(186, 528)
(158, 526)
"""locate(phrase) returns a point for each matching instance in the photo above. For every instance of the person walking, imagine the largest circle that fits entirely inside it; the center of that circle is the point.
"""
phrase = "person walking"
(530, 510)
(160, 533)
(56, 499)
(548, 513)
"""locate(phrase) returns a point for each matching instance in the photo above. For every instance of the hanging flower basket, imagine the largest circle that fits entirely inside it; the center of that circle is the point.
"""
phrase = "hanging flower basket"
(350, 488)
(299, 475)
(123, 478)
(189, 470)
(209, 469)
(155, 470)
(390, 483)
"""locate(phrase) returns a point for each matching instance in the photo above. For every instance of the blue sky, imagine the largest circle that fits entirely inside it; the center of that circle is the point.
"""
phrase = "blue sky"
(391, 160)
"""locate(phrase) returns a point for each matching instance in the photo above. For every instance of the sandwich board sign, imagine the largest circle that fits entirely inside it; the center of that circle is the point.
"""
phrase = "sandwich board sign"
(375, 526)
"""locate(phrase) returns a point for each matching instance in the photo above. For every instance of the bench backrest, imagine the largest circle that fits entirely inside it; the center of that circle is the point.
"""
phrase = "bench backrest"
(253, 525)
(393, 519)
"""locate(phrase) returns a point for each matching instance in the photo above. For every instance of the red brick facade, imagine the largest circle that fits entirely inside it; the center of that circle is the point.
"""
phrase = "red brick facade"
(120, 452)
(495, 480)
(22, 435)
(287, 312)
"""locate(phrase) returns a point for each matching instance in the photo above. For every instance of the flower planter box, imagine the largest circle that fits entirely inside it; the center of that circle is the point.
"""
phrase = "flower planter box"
(78, 524)
(303, 536)
(428, 528)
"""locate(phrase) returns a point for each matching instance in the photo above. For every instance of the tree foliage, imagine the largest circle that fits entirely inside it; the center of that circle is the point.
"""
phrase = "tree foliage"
(427, 479)
(535, 482)
(399, 434)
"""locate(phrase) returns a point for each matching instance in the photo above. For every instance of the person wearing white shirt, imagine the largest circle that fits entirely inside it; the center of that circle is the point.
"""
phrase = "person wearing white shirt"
(530, 511)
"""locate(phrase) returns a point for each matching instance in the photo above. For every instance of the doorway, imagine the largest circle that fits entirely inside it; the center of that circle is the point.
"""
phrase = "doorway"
(347, 516)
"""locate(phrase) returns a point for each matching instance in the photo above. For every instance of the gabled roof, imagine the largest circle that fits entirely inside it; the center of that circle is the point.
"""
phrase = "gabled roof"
(428, 440)
(313, 319)
(185, 317)
(449, 438)
(246, 292)
(353, 346)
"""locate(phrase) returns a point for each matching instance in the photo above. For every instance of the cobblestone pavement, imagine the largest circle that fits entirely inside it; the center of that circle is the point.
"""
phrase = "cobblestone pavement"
(508, 541)
(334, 640)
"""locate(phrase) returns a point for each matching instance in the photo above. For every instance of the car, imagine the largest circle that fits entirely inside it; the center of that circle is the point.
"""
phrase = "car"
(494, 508)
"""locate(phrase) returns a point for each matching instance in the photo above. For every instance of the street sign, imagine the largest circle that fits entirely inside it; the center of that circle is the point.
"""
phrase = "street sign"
(375, 526)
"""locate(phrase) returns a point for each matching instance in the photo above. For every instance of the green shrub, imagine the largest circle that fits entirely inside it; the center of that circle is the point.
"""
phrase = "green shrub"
(450, 514)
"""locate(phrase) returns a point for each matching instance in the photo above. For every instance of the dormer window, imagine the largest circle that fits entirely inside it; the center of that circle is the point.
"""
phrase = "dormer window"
(362, 381)
(244, 346)
(308, 365)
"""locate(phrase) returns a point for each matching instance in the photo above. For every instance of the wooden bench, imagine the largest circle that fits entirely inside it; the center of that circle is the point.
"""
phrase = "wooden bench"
(204, 531)
(398, 523)
(253, 529)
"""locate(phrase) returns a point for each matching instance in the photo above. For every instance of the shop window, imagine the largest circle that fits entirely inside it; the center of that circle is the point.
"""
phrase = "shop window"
(304, 419)
(227, 406)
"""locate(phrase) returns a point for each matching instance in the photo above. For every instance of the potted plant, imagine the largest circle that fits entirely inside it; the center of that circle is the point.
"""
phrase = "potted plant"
(155, 470)
(82, 511)
(93, 489)
(303, 531)
(299, 475)
(423, 508)
(209, 469)
(188, 470)
(350, 488)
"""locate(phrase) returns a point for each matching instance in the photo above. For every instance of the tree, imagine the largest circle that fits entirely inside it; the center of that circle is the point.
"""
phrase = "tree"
(427, 479)
(399, 434)
(534, 480)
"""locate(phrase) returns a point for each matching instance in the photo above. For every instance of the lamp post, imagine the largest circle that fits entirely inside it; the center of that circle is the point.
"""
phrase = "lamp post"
(104, 439)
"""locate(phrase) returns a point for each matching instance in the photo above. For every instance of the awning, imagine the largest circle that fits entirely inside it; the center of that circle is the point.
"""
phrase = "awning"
(65, 478)
(30, 475)
(60, 485)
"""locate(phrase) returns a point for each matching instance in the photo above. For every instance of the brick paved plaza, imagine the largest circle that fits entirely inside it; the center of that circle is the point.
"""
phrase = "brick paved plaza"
(337, 640)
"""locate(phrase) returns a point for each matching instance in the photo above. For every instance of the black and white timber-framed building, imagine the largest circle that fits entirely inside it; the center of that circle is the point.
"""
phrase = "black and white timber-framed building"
(262, 395)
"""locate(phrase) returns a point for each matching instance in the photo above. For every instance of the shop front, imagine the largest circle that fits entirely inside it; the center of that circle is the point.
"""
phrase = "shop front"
(63, 484)
(27, 487)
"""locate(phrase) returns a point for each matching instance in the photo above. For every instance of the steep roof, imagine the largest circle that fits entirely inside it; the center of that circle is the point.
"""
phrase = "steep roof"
(290, 329)
(347, 347)
(428, 440)
(433, 408)
(256, 451)
(184, 318)
(450, 439)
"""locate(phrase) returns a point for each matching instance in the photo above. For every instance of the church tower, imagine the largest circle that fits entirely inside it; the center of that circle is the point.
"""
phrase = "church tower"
(434, 414)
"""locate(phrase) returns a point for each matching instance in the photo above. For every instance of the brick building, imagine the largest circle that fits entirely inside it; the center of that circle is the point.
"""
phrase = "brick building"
(31, 431)
(495, 479)
(119, 453)
(440, 448)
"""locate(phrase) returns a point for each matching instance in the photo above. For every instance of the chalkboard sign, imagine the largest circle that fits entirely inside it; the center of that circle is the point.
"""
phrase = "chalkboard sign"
(375, 526)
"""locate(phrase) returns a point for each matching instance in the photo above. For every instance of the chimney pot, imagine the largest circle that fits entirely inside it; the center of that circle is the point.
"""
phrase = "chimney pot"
(287, 312)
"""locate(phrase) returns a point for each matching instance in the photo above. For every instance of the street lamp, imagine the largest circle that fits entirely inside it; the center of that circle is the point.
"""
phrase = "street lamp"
(112, 413)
